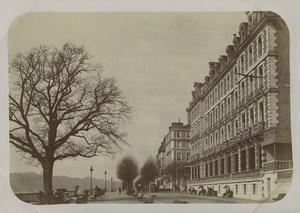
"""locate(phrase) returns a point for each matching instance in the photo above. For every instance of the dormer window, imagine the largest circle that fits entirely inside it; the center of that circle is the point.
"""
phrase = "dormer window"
(250, 22)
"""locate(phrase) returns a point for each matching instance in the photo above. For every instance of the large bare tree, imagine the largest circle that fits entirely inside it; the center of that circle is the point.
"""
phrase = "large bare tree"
(61, 106)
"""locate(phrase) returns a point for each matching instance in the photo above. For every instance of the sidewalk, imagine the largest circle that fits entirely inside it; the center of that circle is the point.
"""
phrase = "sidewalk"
(222, 199)
(170, 197)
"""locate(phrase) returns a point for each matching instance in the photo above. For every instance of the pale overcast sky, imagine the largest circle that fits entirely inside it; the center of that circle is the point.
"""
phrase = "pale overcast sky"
(155, 58)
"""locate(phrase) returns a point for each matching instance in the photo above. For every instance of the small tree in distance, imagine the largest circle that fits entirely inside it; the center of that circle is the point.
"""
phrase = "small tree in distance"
(61, 106)
(149, 170)
(127, 170)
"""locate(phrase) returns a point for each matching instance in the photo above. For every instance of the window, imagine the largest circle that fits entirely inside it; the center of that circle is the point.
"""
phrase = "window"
(229, 164)
(236, 98)
(261, 111)
(222, 110)
(259, 45)
(211, 169)
(228, 82)
(221, 88)
(243, 121)
(260, 75)
(251, 158)
(206, 103)
(178, 134)
(183, 144)
(216, 167)
(236, 126)
(250, 83)
(236, 189)
(222, 166)
(254, 188)
(206, 170)
(243, 89)
(250, 55)
(235, 75)
(188, 156)
(229, 131)
(178, 144)
(251, 117)
(216, 135)
(245, 188)
(222, 135)
(188, 134)
(242, 63)
(259, 157)
(179, 156)
(216, 113)
(228, 105)
(243, 160)
(236, 162)
(193, 172)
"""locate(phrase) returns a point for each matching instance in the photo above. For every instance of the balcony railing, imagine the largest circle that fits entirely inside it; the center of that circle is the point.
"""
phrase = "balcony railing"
(238, 137)
(250, 174)
(246, 133)
(277, 165)
(257, 128)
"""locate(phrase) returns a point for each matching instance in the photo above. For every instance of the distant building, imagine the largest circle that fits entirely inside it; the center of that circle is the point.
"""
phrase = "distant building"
(240, 114)
(173, 155)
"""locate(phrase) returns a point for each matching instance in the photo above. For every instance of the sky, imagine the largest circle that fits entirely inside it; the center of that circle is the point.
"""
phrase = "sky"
(154, 57)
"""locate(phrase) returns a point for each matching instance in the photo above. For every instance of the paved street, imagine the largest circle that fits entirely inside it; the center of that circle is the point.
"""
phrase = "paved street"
(167, 197)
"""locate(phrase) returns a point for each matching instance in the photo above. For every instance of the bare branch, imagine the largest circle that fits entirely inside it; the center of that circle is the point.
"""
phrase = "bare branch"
(61, 105)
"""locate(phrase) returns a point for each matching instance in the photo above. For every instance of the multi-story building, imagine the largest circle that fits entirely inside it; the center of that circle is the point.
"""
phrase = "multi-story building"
(172, 155)
(160, 157)
(240, 114)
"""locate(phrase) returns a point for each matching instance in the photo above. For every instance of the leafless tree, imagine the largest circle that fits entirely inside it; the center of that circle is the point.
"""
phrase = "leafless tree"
(149, 170)
(127, 170)
(61, 106)
(176, 170)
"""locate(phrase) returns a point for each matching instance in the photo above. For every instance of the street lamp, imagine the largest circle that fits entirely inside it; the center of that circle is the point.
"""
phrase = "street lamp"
(91, 169)
(111, 185)
(105, 172)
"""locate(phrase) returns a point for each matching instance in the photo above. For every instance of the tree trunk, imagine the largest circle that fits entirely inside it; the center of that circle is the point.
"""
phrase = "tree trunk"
(47, 178)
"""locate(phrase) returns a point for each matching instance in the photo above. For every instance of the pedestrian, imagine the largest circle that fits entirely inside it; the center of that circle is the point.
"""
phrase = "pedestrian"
(119, 190)
(76, 191)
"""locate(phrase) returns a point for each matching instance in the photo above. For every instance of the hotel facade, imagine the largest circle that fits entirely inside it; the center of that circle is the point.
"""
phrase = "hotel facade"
(240, 114)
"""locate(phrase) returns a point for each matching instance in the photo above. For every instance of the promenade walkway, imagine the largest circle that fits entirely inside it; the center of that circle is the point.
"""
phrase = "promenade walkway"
(169, 197)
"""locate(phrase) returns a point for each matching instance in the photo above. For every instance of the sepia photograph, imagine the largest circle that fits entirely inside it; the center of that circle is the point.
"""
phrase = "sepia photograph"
(140, 107)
